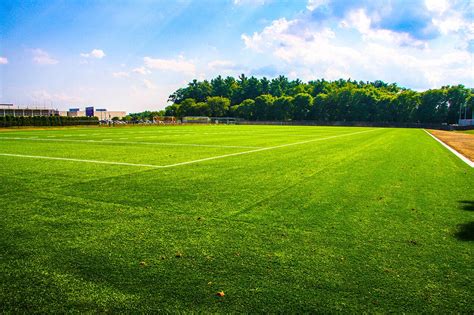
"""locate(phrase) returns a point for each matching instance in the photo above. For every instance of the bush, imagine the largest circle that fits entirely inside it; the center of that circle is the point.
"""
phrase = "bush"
(12, 121)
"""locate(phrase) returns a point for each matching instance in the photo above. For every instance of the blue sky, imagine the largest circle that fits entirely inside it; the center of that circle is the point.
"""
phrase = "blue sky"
(130, 55)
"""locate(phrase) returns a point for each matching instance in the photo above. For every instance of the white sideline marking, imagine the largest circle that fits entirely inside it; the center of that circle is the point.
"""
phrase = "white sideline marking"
(459, 155)
(136, 142)
(79, 160)
(187, 162)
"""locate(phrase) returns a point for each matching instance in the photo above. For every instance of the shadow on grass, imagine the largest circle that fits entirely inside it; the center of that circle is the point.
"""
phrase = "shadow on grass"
(465, 231)
(161, 284)
(467, 205)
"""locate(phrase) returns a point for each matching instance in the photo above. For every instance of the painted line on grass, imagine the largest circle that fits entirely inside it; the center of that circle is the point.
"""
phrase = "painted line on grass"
(459, 155)
(265, 149)
(136, 142)
(79, 160)
(187, 162)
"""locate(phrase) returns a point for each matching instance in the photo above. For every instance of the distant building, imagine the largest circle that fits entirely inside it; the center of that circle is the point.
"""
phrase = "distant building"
(101, 114)
(17, 111)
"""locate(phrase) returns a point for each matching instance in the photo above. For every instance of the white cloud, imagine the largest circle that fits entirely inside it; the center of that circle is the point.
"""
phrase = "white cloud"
(120, 74)
(221, 64)
(141, 70)
(314, 4)
(95, 53)
(359, 20)
(177, 65)
(311, 51)
(41, 57)
(45, 96)
(222, 67)
(438, 6)
(149, 85)
(259, 41)
(3, 60)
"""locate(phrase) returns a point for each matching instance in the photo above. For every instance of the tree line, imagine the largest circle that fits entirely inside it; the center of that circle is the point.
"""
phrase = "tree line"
(14, 121)
(282, 99)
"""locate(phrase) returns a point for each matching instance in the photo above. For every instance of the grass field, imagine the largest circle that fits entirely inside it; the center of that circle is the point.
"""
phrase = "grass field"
(281, 219)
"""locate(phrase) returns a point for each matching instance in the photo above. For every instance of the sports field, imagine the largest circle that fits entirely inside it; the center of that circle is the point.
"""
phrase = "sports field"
(278, 218)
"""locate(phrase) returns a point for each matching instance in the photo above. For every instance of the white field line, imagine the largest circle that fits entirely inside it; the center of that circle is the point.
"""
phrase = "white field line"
(79, 160)
(187, 162)
(265, 149)
(136, 142)
(459, 155)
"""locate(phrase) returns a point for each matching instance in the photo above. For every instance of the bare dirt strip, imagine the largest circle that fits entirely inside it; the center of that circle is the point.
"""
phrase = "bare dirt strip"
(461, 142)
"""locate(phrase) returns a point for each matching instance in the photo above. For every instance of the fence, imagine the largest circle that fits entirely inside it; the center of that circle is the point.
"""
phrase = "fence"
(356, 124)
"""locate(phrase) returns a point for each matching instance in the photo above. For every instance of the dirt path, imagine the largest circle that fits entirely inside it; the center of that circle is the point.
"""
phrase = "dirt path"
(461, 142)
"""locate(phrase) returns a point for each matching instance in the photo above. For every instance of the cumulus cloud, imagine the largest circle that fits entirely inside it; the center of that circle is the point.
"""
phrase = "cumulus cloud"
(3, 60)
(359, 20)
(141, 70)
(95, 53)
(120, 74)
(356, 46)
(438, 6)
(259, 41)
(177, 65)
(41, 57)
(314, 4)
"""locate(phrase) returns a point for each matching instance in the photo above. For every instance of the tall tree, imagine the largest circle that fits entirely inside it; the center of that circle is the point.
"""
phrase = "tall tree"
(218, 106)
(280, 109)
(457, 98)
(302, 104)
(263, 104)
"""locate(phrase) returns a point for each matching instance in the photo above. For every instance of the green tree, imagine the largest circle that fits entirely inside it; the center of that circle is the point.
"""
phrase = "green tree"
(202, 109)
(218, 106)
(186, 108)
(281, 109)
(262, 105)
(245, 110)
(433, 107)
(302, 104)
(457, 98)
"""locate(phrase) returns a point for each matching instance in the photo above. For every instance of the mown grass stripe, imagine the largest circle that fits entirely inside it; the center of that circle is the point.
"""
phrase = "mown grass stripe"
(265, 149)
(78, 160)
(186, 162)
(136, 142)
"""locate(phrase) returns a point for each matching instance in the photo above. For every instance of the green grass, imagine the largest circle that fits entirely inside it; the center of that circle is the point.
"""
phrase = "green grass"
(380, 221)
(471, 132)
